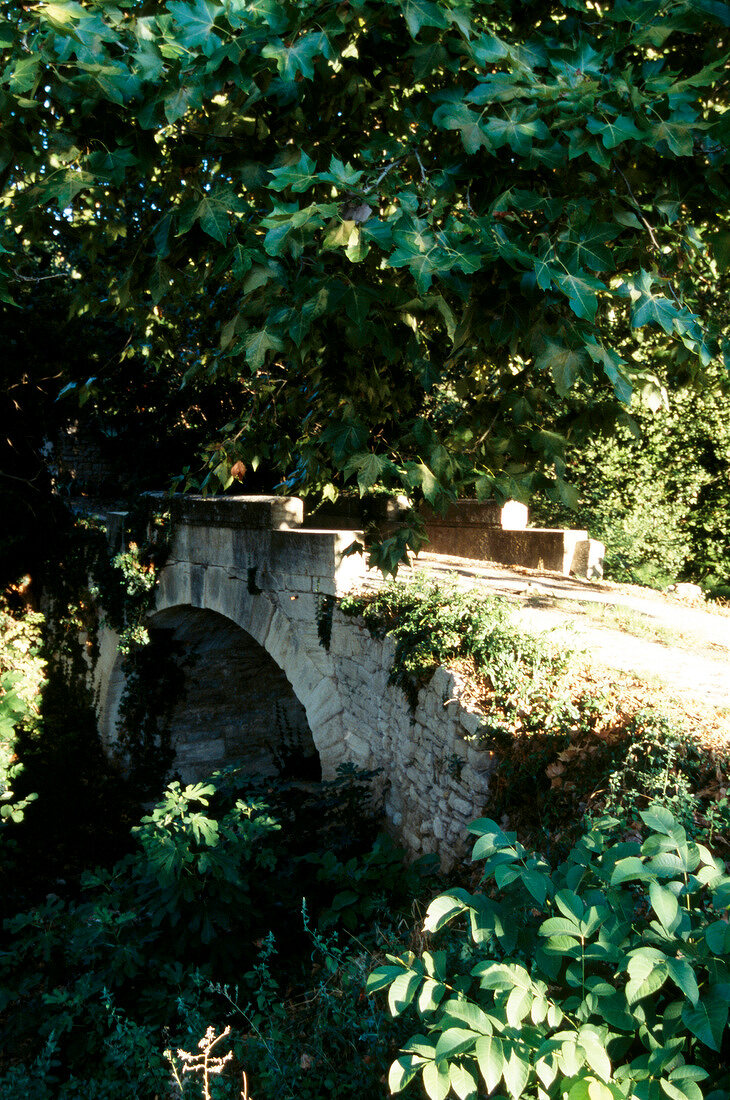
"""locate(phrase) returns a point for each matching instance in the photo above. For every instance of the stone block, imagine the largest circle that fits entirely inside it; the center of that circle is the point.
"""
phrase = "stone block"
(531, 548)
(460, 805)
(199, 752)
(478, 782)
(326, 708)
(511, 516)
(249, 512)
(588, 555)
(470, 722)
(299, 582)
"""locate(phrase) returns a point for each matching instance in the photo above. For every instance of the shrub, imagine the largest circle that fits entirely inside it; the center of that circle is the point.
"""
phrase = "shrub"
(606, 978)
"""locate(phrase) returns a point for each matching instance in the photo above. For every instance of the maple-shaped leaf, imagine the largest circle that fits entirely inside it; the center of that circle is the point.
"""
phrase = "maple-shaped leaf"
(487, 49)
(297, 177)
(458, 116)
(214, 219)
(347, 438)
(587, 248)
(613, 367)
(195, 23)
(679, 136)
(563, 363)
(648, 307)
(342, 175)
(615, 130)
(369, 469)
(270, 13)
(580, 289)
(299, 58)
(423, 13)
(514, 132)
(257, 344)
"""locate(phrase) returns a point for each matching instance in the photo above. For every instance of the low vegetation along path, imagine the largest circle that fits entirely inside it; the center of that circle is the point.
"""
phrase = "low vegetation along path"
(680, 645)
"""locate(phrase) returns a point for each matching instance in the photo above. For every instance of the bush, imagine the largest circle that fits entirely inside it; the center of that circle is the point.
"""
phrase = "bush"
(606, 978)
(672, 466)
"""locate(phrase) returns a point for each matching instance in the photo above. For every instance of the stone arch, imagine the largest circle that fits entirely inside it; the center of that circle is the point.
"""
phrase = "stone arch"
(234, 705)
(258, 614)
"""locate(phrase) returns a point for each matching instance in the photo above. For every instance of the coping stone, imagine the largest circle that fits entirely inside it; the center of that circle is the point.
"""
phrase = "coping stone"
(247, 512)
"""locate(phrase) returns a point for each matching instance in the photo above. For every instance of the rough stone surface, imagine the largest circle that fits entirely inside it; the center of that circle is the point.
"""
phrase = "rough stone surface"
(530, 548)
(273, 667)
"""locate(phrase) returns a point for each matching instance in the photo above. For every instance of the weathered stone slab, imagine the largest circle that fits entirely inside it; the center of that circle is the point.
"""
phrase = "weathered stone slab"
(250, 512)
(588, 559)
(532, 548)
(510, 516)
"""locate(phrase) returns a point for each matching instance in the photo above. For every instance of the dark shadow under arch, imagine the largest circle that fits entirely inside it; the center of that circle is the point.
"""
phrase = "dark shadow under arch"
(236, 705)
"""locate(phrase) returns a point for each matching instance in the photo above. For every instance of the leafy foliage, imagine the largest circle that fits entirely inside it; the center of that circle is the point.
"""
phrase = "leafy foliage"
(21, 675)
(669, 463)
(401, 232)
(436, 624)
(93, 986)
(603, 978)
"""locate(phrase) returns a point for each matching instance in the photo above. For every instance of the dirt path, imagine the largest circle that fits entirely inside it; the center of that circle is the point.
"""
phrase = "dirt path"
(682, 647)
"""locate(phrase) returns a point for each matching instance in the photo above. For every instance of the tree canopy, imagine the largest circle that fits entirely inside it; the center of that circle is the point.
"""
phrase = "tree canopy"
(405, 236)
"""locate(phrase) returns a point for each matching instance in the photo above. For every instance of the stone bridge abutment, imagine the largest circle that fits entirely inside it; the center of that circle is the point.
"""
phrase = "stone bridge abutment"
(250, 595)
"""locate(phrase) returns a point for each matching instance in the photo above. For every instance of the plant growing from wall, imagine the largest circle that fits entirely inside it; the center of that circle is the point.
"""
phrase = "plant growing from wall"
(435, 624)
(605, 978)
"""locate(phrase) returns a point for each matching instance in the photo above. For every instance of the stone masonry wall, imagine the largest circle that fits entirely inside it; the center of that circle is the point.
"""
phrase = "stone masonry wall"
(274, 584)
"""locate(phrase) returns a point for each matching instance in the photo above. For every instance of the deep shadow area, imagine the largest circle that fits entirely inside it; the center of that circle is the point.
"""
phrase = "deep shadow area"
(235, 705)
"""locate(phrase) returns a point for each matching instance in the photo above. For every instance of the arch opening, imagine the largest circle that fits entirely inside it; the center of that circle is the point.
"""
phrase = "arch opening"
(235, 705)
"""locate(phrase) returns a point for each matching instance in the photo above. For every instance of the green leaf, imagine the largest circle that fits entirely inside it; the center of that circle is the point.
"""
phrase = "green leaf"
(516, 1073)
(665, 905)
(648, 975)
(580, 290)
(436, 1081)
(297, 177)
(403, 1070)
(443, 909)
(462, 1081)
(381, 977)
(537, 883)
(490, 1060)
(458, 116)
(681, 1090)
(257, 344)
(195, 21)
(613, 367)
(402, 991)
(341, 174)
(431, 995)
(594, 1045)
(650, 308)
(717, 936)
(683, 976)
(453, 1041)
(615, 131)
(370, 468)
(518, 1006)
(214, 218)
(707, 1020)
(347, 437)
(423, 13)
(564, 365)
(467, 1013)
(630, 869)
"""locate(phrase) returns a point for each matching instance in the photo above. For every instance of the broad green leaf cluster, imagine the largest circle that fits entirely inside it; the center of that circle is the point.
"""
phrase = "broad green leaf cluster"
(606, 979)
(402, 230)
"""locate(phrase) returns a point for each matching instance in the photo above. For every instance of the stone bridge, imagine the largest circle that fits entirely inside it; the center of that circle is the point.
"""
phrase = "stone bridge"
(278, 679)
